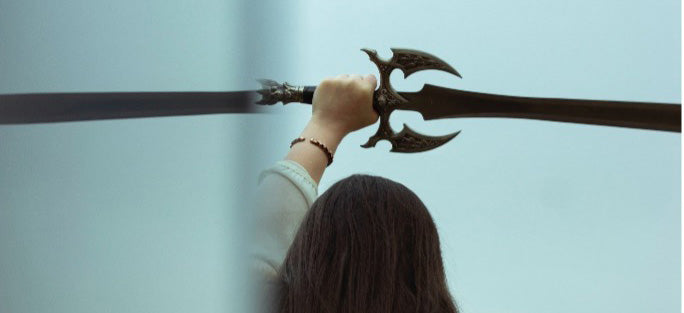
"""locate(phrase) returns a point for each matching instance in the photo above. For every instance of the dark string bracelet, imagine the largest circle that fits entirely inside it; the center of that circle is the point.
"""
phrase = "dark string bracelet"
(317, 144)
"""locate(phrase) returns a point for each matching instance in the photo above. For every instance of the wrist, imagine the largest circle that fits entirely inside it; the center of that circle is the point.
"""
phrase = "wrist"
(312, 156)
(327, 133)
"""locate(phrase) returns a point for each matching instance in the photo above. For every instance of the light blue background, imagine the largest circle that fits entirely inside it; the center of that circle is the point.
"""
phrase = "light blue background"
(533, 216)
(140, 215)
(144, 215)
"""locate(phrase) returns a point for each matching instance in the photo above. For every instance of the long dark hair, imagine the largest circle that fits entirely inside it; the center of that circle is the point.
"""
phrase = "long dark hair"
(368, 244)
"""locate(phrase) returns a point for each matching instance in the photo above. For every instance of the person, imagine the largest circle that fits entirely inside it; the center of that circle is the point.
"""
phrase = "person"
(367, 244)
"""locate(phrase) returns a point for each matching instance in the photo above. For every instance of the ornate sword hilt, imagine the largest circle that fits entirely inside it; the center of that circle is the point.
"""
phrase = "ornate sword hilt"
(272, 92)
(385, 98)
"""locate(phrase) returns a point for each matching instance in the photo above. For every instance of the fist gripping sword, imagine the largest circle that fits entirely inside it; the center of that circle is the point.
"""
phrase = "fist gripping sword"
(431, 101)
(385, 98)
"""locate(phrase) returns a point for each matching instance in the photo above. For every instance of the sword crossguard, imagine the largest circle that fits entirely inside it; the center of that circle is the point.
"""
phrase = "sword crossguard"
(386, 99)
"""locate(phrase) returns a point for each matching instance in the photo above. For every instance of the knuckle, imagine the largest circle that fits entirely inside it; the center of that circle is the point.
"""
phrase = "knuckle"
(365, 87)
(358, 85)
(347, 83)
(327, 83)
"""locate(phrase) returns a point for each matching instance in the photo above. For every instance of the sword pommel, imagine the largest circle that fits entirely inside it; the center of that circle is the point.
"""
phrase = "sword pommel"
(272, 92)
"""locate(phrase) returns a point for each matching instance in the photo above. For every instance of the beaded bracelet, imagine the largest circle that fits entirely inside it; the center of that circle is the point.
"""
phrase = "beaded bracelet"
(317, 144)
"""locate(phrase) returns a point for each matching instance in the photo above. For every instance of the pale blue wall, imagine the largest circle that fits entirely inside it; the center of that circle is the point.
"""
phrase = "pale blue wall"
(138, 215)
(533, 216)
(142, 215)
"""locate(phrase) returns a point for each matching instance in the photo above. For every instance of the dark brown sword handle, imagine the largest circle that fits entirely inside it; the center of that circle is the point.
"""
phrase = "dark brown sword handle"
(307, 94)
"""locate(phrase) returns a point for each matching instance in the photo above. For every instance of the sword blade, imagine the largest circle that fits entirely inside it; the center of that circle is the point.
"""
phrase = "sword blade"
(435, 102)
(65, 107)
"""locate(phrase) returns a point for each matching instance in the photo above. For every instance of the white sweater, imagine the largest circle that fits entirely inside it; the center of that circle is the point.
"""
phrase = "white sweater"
(286, 192)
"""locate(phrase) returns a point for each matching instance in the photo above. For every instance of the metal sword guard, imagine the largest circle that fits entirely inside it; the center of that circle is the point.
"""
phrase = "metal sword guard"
(386, 99)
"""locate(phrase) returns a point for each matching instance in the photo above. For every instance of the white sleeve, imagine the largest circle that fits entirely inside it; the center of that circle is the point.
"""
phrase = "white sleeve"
(285, 193)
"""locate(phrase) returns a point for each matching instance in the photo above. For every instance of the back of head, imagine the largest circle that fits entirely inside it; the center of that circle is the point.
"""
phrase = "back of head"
(368, 244)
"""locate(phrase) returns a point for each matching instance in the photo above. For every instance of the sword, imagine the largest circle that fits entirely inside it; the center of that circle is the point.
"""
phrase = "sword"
(431, 101)
(435, 102)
